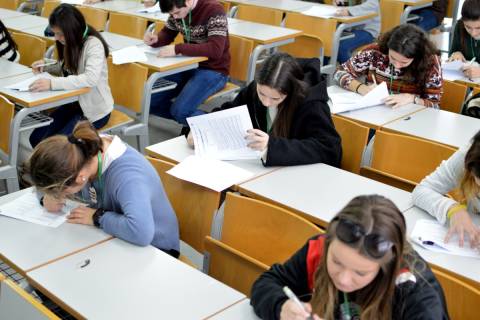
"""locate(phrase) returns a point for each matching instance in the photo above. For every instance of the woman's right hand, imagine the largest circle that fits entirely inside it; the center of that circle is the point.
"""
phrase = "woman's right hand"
(190, 141)
(457, 56)
(150, 38)
(366, 88)
(53, 204)
(291, 311)
(35, 67)
(461, 223)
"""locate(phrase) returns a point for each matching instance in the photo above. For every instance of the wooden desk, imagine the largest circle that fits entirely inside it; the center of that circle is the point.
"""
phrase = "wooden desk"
(27, 246)
(157, 16)
(25, 22)
(117, 41)
(116, 6)
(8, 14)
(410, 5)
(318, 192)
(281, 5)
(10, 69)
(440, 126)
(241, 310)
(123, 281)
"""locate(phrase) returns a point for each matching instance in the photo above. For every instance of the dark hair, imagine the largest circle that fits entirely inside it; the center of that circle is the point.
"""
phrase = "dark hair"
(412, 42)
(76, 31)
(468, 187)
(9, 38)
(470, 12)
(167, 5)
(281, 72)
(56, 161)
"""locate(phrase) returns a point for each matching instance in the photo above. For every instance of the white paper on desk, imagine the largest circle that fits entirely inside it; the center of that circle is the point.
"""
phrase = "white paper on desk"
(149, 50)
(128, 55)
(211, 173)
(430, 230)
(321, 11)
(154, 9)
(221, 135)
(73, 2)
(25, 84)
(452, 65)
(349, 101)
(28, 208)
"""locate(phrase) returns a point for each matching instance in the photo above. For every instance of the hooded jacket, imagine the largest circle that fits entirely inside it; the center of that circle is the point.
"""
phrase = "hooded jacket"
(312, 137)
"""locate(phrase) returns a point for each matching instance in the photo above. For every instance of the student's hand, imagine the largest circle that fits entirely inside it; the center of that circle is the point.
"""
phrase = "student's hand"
(81, 215)
(149, 3)
(257, 139)
(398, 100)
(471, 72)
(53, 204)
(457, 56)
(36, 69)
(342, 12)
(167, 51)
(40, 85)
(150, 38)
(190, 141)
(364, 88)
(461, 223)
(291, 311)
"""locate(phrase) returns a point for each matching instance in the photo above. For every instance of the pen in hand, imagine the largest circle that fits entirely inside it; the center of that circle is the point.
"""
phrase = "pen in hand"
(289, 293)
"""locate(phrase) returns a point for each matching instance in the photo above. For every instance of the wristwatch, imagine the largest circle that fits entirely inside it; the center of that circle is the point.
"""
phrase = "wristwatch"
(415, 97)
(96, 217)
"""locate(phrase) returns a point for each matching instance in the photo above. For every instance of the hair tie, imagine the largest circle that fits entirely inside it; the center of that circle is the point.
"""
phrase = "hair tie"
(86, 31)
(74, 140)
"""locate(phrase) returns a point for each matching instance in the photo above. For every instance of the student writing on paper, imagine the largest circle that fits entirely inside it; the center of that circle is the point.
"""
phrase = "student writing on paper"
(287, 104)
(466, 39)
(8, 47)
(460, 172)
(204, 26)
(125, 195)
(82, 62)
(362, 268)
(405, 59)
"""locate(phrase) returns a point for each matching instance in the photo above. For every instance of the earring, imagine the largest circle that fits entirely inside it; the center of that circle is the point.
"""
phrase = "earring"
(84, 179)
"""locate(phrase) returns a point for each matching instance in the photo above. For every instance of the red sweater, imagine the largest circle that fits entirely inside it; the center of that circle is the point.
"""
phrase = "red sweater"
(208, 35)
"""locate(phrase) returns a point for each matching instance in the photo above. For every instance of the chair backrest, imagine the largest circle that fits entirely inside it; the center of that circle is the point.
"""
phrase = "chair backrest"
(128, 25)
(259, 14)
(460, 296)
(231, 266)
(194, 205)
(30, 48)
(9, 4)
(354, 139)
(7, 110)
(263, 231)
(390, 13)
(407, 157)
(97, 18)
(305, 46)
(240, 51)
(475, 91)
(159, 26)
(453, 96)
(389, 179)
(48, 7)
(226, 5)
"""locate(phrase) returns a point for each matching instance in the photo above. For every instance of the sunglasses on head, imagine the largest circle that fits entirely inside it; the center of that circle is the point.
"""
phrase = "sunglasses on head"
(350, 232)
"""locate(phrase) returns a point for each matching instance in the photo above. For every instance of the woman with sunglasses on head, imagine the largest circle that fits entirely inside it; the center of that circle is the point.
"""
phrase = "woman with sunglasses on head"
(362, 268)
(82, 63)
(405, 59)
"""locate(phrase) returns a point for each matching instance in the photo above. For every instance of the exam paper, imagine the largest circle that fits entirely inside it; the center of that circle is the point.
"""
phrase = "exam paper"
(73, 2)
(28, 208)
(319, 11)
(211, 173)
(221, 135)
(154, 9)
(149, 50)
(24, 85)
(432, 232)
(348, 101)
(128, 55)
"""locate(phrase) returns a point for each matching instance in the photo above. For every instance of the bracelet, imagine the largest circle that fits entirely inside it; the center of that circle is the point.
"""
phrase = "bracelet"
(356, 89)
(456, 208)
(96, 217)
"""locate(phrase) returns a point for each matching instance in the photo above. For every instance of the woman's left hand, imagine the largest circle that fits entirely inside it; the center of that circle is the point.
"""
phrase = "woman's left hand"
(471, 72)
(342, 12)
(398, 100)
(81, 215)
(257, 139)
(40, 85)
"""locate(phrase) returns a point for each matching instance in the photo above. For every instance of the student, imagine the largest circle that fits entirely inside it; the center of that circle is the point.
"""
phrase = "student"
(466, 38)
(405, 59)
(362, 268)
(8, 47)
(431, 17)
(287, 103)
(125, 195)
(82, 63)
(203, 24)
(460, 172)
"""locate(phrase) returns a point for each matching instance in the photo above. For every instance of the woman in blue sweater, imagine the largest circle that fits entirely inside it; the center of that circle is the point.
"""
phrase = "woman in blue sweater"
(123, 193)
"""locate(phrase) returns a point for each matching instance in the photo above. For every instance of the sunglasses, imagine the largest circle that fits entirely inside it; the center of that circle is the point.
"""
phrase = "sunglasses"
(350, 232)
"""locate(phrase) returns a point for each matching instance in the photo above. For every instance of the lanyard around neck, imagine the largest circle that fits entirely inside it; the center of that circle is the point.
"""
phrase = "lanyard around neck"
(392, 69)
(187, 29)
(99, 176)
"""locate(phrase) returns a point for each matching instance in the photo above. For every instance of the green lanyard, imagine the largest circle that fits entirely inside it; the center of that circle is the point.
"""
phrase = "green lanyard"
(99, 177)
(471, 44)
(347, 306)
(391, 81)
(187, 30)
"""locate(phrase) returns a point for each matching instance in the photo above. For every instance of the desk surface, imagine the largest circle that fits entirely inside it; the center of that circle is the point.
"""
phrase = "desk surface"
(131, 282)
(8, 14)
(282, 5)
(117, 5)
(117, 41)
(27, 245)
(157, 16)
(348, 19)
(441, 126)
(241, 310)
(327, 190)
(165, 64)
(39, 32)
(262, 33)
(415, 2)
(10, 69)
(25, 22)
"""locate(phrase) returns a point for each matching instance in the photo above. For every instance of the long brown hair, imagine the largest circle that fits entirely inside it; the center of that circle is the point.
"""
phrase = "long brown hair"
(468, 187)
(56, 161)
(382, 217)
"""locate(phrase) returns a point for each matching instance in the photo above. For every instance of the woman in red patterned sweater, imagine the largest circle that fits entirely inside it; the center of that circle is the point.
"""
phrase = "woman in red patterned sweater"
(405, 59)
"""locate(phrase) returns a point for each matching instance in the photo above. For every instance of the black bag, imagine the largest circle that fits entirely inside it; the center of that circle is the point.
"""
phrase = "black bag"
(472, 106)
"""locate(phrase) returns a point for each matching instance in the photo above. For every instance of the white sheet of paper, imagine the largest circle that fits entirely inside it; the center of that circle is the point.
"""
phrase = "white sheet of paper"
(154, 9)
(149, 50)
(348, 101)
(221, 135)
(211, 173)
(28, 208)
(73, 2)
(23, 85)
(324, 11)
(429, 230)
(128, 55)
(452, 65)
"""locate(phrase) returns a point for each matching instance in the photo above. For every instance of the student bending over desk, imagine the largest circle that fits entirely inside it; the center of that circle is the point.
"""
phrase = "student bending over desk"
(287, 103)
(405, 59)
(362, 268)
(8, 47)
(81, 63)
(125, 195)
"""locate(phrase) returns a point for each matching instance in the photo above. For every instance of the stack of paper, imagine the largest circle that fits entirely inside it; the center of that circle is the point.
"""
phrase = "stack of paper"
(349, 101)
(430, 235)
(453, 70)
(128, 55)
(25, 84)
(154, 9)
(321, 11)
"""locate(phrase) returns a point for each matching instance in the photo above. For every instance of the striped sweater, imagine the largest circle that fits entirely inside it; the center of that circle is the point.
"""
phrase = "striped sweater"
(7, 49)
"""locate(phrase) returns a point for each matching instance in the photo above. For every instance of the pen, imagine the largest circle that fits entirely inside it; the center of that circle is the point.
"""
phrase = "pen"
(294, 298)
(472, 61)
(374, 80)
(45, 64)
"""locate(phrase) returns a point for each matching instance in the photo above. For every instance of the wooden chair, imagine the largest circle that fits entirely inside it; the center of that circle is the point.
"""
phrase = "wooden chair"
(31, 48)
(305, 46)
(8, 171)
(97, 18)
(128, 25)
(460, 296)
(226, 6)
(354, 140)
(9, 4)
(390, 13)
(476, 90)
(259, 14)
(453, 96)
(48, 7)
(194, 205)
(159, 26)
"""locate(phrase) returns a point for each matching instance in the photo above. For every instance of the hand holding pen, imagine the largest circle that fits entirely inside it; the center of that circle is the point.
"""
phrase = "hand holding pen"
(294, 309)
(150, 37)
(471, 71)
(38, 66)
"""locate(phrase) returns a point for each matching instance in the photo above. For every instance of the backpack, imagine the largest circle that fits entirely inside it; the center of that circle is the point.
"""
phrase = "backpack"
(471, 107)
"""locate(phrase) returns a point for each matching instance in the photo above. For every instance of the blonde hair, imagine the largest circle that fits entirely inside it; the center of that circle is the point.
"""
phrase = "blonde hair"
(468, 187)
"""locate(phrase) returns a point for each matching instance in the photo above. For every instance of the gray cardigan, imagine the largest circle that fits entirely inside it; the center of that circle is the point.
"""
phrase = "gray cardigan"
(368, 6)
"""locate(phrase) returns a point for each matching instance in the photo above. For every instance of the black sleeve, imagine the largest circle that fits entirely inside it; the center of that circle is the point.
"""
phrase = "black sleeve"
(267, 295)
(456, 45)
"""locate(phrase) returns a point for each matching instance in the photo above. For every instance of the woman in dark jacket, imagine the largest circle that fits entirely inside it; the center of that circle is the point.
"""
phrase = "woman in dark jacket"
(362, 268)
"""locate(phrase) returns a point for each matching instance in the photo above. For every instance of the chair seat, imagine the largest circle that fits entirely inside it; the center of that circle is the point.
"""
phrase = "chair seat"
(117, 119)
(229, 87)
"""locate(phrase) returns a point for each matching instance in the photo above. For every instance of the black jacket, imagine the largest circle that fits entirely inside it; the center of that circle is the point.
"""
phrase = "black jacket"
(421, 299)
(313, 138)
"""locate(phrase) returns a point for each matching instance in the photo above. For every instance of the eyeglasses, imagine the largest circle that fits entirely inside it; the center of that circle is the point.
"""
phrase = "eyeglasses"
(350, 232)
